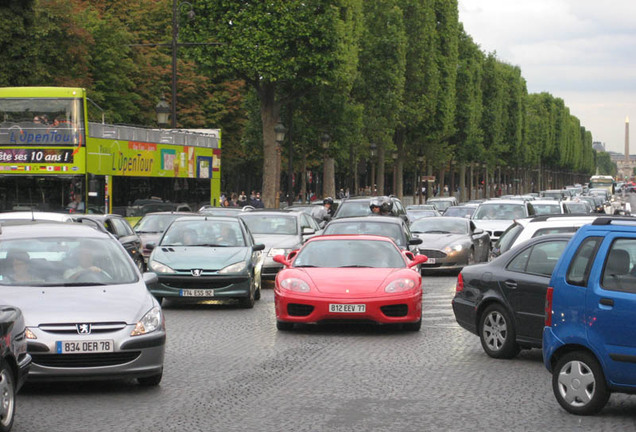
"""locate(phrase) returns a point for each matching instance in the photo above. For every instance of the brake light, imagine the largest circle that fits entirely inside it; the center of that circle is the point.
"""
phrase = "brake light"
(548, 307)
(459, 287)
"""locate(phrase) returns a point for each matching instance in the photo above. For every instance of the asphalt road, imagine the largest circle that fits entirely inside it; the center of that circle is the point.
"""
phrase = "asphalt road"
(229, 369)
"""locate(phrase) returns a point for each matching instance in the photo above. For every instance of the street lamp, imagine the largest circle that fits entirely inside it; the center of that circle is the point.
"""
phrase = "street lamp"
(176, 7)
(279, 132)
(325, 139)
(420, 161)
(373, 151)
(163, 112)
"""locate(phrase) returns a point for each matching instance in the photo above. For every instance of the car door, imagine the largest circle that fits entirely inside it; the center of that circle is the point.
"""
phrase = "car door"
(481, 242)
(527, 279)
(126, 236)
(611, 307)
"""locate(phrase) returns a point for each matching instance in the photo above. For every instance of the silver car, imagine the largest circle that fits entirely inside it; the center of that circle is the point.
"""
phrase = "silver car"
(87, 310)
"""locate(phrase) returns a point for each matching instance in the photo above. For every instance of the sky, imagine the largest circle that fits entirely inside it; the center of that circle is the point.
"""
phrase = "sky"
(581, 51)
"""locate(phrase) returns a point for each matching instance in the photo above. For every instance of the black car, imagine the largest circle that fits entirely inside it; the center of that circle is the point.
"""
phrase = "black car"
(392, 227)
(121, 229)
(15, 362)
(361, 206)
(503, 301)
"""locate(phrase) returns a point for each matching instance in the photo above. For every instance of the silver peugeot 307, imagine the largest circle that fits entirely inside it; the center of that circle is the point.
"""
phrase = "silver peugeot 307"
(87, 309)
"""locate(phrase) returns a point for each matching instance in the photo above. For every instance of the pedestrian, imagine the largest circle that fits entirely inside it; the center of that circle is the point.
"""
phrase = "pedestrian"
(242, 199)
(257, 203)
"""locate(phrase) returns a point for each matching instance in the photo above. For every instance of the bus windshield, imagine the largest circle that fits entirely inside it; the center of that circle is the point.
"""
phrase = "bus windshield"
(41, 122)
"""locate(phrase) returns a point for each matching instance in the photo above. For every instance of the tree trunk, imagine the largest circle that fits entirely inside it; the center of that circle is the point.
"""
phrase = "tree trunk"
(303, 178)
(329, 183)
(398, 139)
(380, 170)
(270, 109)
(462, 183)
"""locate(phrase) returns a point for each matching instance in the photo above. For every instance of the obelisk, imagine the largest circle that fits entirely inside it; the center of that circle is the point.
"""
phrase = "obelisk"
(626, 139)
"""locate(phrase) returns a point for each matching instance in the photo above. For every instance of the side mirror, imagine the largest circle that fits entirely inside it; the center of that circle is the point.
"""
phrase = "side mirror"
(150, 246)
(281, 260)
(150, 278)
(417, 260)
(258, 247)
(308, 231)
(415, 241)
(478, 231)
(291, 255)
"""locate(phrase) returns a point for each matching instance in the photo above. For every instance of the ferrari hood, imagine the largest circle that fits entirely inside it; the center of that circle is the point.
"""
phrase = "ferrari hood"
(198, 257)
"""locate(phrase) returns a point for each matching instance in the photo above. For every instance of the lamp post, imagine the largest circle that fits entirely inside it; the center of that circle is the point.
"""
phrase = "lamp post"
(394, 156)
(327, 178)
(279, 132)
(420, 161)
(163, 112)
(373, 151)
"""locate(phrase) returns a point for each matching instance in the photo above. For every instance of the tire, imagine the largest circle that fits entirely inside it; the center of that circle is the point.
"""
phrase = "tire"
(497, 333)
(579, 383)
(7, 397)
(414, 326)
(150, 381)
(247, 302)
(471, 257)
(257, 294)
(284, 325)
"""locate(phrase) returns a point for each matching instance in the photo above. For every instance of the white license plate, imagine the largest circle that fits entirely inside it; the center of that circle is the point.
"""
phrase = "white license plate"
(347, 308)
(83, 347)
(430, 261)
(197, 293)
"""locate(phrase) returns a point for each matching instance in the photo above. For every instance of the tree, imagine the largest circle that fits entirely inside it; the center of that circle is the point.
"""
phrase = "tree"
(267, 44)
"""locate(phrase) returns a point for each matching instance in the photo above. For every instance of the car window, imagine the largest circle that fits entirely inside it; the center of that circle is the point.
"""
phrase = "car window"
(544, 256)
(554, 230)
(354, 208)
(619, 265)
(188, 232)
(518, 264)
(154, 223)
(509, 236)
(64, 261)
(581, 263)
(275, 224)
(500, 212)
(440, 225)
(390, 230)
(304, 222)
(350, 253)
(121, 227)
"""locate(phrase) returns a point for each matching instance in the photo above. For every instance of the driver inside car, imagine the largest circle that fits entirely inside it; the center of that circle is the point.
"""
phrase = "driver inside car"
(86, 263)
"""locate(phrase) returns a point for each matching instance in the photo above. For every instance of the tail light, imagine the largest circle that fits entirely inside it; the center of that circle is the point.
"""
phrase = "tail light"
(459, 287)
(548, 307)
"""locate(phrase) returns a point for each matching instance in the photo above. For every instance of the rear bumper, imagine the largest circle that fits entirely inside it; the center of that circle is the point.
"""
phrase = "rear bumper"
(551, 343)
(465, 314)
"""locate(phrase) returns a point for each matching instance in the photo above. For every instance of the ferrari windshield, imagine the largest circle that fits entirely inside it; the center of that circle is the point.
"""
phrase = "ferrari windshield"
(204, 232)
(391, 230)
(64, 262)
(350, 253)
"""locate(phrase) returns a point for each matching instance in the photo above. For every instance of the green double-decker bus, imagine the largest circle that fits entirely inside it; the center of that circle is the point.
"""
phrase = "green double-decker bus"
(53, 159)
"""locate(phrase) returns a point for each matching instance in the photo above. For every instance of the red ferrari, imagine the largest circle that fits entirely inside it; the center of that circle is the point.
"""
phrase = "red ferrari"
(349, 278)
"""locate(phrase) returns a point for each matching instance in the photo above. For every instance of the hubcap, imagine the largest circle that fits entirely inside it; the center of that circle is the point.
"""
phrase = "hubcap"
(495, 331)
(576, 383)
(6, 398)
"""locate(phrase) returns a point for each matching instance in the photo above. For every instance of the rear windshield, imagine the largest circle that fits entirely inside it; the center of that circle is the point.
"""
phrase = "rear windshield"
(391, 230)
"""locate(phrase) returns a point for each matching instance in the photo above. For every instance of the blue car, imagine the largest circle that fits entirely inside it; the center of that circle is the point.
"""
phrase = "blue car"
(589, 341)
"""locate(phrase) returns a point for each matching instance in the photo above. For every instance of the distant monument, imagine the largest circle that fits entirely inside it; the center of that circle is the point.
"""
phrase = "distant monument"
(626, 165)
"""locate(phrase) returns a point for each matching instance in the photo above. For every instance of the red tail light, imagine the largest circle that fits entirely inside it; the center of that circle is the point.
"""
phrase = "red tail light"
(460, 283)
(548, 307)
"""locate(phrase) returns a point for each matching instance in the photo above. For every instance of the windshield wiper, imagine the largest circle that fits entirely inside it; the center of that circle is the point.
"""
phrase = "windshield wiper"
(209, 245)
(305, 265)
(437, 232)
(355, 266)
(148, 232)
(74, 284)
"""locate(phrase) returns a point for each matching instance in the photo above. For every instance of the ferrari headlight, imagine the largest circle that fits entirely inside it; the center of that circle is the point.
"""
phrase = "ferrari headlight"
(400, 285)
(234, 268)
(158, 267)
(293, 284)
(275, 251)
(452, 249)
(152, 321)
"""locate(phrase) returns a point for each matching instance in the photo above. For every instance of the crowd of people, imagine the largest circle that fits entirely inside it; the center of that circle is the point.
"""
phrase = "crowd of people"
(242, 200)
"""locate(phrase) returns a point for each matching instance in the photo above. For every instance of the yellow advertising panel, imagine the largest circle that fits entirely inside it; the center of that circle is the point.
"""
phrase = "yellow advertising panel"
(140, 159)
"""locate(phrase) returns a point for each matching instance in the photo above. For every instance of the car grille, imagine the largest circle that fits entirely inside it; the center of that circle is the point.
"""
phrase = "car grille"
(398, 310)
(197, 283)
(71, 328)
(84, 360)
(295, 309)
(270, 270)
(433, 253)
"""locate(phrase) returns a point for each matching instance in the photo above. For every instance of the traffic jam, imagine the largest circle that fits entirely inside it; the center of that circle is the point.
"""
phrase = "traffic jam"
(81, 307)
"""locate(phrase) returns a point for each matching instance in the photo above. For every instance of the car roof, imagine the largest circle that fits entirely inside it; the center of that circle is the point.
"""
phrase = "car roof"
(197, 217)
(167, 213)
(51, 230)
(27, 215)
(504, 201)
